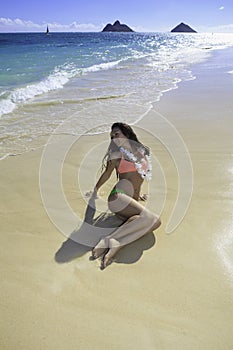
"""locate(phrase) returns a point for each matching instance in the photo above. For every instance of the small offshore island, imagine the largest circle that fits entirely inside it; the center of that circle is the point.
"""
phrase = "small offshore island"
(117, 27)
(183, 28)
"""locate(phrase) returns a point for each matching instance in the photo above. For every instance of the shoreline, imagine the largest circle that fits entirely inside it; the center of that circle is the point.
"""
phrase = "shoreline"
(31, 124)
(174, 289)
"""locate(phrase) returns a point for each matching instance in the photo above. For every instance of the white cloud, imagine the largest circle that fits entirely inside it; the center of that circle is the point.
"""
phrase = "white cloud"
(221, 8)
(224, 28)
(20, 25)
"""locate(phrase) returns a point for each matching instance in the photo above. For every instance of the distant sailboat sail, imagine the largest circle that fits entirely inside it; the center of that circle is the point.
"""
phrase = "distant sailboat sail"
(47, 30)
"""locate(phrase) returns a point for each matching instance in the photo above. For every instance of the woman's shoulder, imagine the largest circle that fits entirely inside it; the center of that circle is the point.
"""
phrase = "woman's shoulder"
(115, 156)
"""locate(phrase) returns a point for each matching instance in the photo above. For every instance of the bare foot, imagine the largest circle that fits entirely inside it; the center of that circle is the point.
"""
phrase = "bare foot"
(97, 252)
(107, 258)
(99, 249)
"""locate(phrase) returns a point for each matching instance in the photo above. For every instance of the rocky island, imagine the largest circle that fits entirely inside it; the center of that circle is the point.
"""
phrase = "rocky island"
(117, 27)
(183, 28)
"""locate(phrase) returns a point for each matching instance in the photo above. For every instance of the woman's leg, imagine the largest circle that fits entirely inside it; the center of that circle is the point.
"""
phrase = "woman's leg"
(136, 227)
(140, 221)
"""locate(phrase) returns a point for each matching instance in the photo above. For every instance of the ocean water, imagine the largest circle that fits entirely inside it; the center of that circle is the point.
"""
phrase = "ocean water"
(86, 81)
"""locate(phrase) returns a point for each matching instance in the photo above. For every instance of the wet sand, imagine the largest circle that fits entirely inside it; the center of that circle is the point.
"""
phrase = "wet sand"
(165, 291)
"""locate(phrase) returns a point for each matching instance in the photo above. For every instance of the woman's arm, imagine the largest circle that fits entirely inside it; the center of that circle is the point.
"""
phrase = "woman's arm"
(111, 165)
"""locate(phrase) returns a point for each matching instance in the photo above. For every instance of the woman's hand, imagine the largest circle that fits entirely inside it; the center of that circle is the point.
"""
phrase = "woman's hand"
(143, 197)
(91, 194)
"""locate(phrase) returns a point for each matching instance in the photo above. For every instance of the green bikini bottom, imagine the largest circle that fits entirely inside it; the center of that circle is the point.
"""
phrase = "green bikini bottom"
(117, 190)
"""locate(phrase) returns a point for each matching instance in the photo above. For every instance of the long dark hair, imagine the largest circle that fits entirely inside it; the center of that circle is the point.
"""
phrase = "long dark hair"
(133, 140)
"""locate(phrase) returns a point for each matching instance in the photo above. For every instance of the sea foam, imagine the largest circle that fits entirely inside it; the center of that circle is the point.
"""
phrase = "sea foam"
(56, 80)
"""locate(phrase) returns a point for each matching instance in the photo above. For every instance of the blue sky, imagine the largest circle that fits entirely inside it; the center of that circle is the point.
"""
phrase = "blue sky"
(92, 15)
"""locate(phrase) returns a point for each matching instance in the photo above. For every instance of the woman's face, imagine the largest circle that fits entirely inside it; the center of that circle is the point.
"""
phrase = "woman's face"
(118, 137)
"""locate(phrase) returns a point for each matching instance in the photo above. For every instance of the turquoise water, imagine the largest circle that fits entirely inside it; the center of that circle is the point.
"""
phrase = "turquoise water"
(90, 79)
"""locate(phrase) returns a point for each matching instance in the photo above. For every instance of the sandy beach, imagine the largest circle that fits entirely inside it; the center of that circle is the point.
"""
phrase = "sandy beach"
(164, 291)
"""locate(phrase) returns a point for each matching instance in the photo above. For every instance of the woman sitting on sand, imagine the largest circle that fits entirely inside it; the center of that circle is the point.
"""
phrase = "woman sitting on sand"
(130, 158)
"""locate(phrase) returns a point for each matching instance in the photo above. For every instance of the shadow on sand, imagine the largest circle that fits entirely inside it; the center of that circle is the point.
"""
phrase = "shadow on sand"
(89, 234)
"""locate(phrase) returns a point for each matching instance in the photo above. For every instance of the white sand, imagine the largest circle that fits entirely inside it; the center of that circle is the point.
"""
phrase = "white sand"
(162, 292)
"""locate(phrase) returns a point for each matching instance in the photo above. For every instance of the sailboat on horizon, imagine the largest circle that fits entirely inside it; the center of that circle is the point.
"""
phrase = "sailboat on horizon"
(47, 30)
